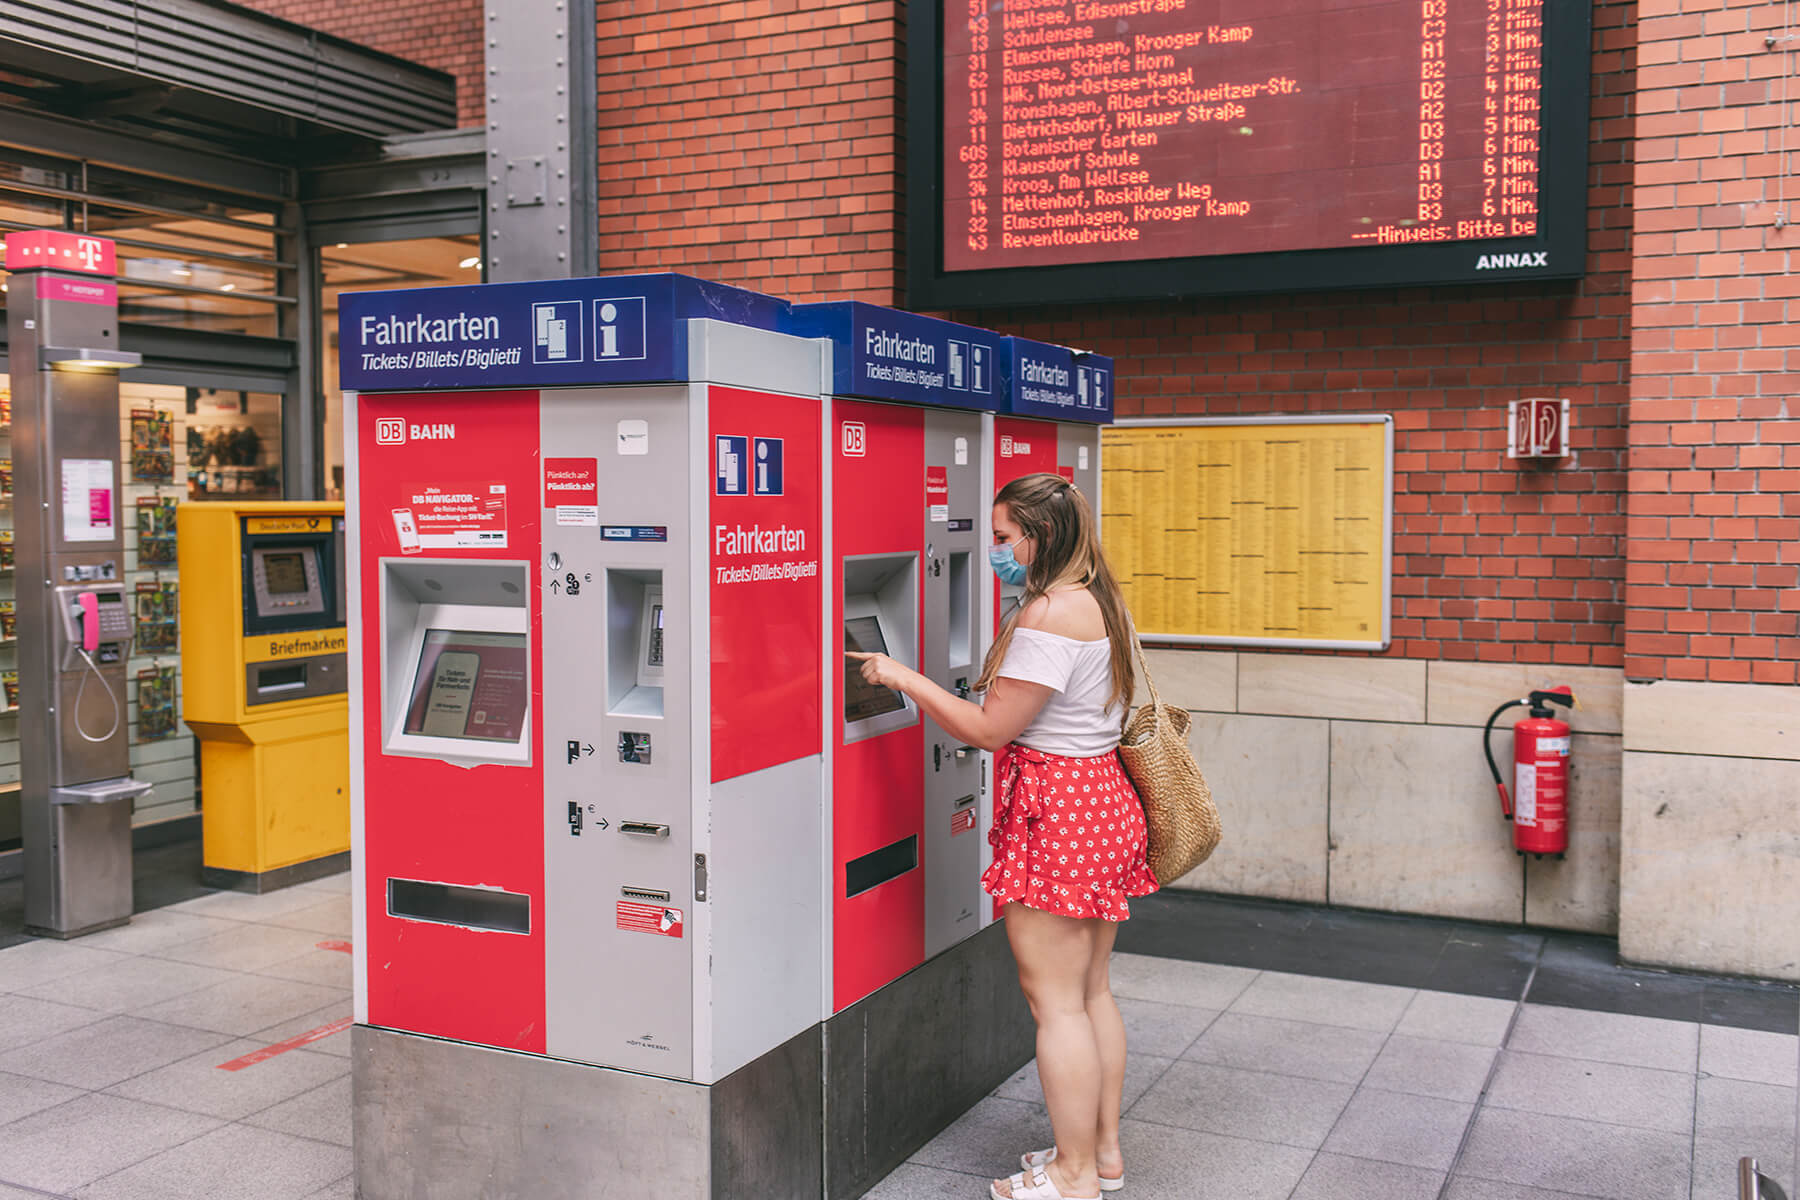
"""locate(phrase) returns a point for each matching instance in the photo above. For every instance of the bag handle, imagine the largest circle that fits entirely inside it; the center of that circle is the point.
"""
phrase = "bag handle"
(1149, 682)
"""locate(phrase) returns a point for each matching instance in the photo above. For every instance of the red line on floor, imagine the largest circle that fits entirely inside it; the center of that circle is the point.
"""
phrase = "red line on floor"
(293, 1043)
(343, 947)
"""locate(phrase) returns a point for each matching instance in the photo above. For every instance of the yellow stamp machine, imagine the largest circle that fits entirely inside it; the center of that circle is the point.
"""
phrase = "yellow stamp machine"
(265, 671)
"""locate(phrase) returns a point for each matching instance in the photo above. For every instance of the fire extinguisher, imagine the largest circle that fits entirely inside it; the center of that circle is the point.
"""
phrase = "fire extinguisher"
(1539, 805)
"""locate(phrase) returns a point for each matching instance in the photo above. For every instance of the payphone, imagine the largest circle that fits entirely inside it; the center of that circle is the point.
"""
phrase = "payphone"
(74, 622)
(265, 665)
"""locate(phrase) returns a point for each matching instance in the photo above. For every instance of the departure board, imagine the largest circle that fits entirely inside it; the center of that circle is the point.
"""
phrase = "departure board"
(1273, 139)
(1273, 531)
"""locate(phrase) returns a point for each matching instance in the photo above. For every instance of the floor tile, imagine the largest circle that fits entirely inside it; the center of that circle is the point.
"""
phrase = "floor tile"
(155, 930)
(986, 1138)
(327, 968)
(1476, 1020)
(1163, 1163)
(1583, 1157)
(12, 1193)
(910, 1181)
(1429, 1067)
(1372, 1006)
(35, 962)
(107, 1052)
(246, 948)
(1607, 1037)
(329, 917)
(1141, 1072)
(1594, 1091)
(322, 1114)
(62, 1148)
(1173, 981)
(244, 1004)
(1757, 1114)
(1749, 1054)
(236, 1160)
(1300, 1048)
(242, 906)
(1163, 1030)
(130, 984)
(1416, 1131)
(1336, 1177)
(196, 1084)
(338, 1044)
(1716, 1165)
(21, 1095)
(1246, 1104)
(24, 1020)
(337, 885)
(343, 1189)
(1462, 1187)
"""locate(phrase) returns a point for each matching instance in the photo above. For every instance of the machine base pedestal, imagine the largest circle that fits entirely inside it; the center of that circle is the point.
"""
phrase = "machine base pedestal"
(258, 882)
(452, 1121)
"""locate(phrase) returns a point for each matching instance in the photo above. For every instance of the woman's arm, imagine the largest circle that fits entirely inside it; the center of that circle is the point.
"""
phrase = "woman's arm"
(1007, 709)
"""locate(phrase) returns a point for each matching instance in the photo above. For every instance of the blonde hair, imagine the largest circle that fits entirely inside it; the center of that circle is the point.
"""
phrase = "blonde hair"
(1054, 514)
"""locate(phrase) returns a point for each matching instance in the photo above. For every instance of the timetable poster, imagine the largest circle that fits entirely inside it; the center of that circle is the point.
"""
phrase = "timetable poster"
(1081, 131)
(1251, 532)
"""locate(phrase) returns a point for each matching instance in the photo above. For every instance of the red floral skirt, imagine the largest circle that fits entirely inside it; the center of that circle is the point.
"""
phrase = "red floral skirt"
(1068, 836)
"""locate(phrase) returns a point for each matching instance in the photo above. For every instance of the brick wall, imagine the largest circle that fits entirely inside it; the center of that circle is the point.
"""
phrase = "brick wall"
(443, 34)
(755, 142)
(1715, 435)
(1492, 561)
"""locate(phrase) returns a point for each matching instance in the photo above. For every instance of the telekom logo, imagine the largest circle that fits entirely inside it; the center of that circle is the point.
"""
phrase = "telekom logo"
(89, 251)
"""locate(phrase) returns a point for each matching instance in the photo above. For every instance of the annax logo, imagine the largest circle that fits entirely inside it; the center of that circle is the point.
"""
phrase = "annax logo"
(1502, 262)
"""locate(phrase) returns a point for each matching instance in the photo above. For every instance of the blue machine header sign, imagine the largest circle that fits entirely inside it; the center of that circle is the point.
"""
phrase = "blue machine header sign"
(885, 354)
(1041, 380)
(552, 333)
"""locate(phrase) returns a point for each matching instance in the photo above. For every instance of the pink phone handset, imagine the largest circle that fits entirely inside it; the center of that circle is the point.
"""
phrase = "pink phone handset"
(89, 605)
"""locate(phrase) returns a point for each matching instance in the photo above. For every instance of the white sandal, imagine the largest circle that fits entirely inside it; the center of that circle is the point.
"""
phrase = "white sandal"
(1039, 1159)
(1039, 1188)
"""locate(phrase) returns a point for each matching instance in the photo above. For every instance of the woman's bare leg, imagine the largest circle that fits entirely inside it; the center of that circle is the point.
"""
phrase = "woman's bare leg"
(1109, 1036)
(1055, 955)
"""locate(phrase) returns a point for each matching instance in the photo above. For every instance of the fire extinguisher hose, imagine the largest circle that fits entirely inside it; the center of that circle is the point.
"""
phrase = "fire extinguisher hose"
(1487, 747)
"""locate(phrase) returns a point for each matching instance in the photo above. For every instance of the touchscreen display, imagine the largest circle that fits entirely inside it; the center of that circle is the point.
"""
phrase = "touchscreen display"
(473, 686)
(863, 699)
(285, 573)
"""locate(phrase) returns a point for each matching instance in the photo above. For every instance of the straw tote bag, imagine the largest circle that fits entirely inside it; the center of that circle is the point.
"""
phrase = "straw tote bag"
(1178, 806)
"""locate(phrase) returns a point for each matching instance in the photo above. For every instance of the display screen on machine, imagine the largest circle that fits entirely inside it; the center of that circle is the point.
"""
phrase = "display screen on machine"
(471, 686)
(863, 699)
(285, 573)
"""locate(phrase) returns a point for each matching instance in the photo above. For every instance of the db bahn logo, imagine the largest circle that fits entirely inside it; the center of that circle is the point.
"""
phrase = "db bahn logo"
(390, 431)
(856, 439)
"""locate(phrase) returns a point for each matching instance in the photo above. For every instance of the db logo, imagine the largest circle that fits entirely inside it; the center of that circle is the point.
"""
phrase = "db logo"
(390, 431)
(1006, 446)
(856, 437)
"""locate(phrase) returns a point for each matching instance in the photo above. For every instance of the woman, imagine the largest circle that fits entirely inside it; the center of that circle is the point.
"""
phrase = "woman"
(1068, 836)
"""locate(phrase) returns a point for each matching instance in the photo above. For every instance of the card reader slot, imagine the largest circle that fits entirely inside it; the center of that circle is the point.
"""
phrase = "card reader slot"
(450, 904)
(878, 866)
(965, 801)
(650, 895)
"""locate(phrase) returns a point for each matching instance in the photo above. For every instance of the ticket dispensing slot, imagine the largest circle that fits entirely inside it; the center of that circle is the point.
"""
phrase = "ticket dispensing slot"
(634, 644)
(962, 607)
(881, 606)
(456, 661)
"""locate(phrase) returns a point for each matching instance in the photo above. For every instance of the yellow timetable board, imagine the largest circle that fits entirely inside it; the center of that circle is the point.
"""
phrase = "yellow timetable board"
(1253, 531)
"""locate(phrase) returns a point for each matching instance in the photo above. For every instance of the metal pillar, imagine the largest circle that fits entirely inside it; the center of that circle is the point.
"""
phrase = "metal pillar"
(75, 622)
(542, 156)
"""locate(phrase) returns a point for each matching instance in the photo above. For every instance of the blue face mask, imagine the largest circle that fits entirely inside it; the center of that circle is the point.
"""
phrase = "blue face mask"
(1009, 569)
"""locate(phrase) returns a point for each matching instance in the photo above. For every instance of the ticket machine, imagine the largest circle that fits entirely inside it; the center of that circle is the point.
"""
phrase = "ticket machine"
(909, 535)
(1054, 401)
(586, 532)
(265, 687)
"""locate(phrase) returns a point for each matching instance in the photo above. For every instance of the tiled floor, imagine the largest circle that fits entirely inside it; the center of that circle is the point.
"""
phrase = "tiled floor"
(1246, 1080)
(111, 1050)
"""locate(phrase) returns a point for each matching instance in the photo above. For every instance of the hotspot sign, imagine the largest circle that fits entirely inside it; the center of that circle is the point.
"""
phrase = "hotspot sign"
(1042, 380)
(548, 333)
(885, 354)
